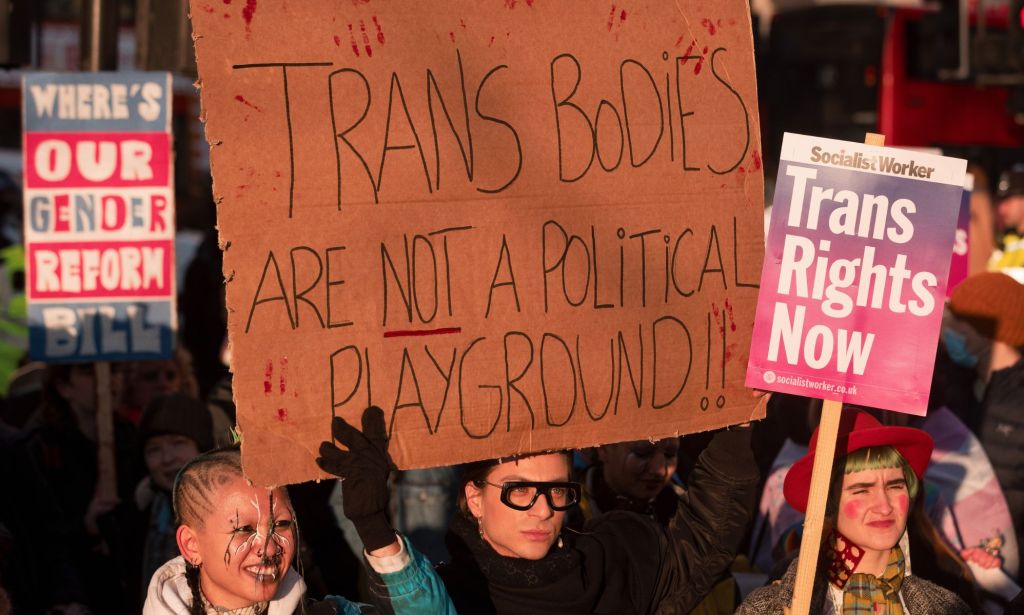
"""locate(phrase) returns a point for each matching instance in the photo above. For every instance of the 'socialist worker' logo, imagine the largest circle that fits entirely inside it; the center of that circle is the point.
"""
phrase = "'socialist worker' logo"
(769, 376)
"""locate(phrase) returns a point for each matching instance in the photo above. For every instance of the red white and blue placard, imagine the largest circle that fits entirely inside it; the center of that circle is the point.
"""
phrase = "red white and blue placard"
(99, 216)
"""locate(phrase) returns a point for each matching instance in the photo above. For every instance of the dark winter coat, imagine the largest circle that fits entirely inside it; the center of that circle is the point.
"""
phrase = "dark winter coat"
(1001, 431)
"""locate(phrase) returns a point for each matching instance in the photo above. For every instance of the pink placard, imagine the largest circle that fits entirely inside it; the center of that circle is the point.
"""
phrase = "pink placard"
(855, 271)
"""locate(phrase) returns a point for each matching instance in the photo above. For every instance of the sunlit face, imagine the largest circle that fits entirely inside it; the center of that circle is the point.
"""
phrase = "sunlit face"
(528, 534)
(873, 508)
(639, 470)
(165, 455)
(245, 546)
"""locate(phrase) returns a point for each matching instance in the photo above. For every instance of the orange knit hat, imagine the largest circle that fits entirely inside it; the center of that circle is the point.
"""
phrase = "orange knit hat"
(992, 303)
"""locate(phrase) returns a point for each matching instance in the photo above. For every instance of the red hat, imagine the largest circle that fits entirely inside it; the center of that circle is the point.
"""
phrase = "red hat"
(857, 430)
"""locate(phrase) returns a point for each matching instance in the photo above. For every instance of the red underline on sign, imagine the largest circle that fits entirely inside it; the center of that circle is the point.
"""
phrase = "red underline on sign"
(445, 331)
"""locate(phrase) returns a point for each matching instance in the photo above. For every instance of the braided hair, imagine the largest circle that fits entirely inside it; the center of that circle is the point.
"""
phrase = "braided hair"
(192, 577)
(195, 490)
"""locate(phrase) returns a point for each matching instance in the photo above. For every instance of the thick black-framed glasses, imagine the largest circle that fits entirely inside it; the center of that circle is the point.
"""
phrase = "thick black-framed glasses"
(523, 494)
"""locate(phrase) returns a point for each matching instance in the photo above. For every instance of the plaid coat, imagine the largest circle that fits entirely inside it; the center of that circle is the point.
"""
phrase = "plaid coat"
(920, 597)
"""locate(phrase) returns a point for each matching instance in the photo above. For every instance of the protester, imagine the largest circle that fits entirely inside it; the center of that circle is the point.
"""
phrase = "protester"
(635, 476)
(95, 526)
(862, 567)
(983, 330)
(961, 534)
(212, 500)
(1009, 254)
(510, 553)
(149, 379)
(173, 430)
(641, 477)
(237, 543)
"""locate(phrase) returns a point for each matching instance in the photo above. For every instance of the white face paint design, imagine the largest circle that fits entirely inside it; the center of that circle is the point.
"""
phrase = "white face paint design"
(259, 534)
(241, 528)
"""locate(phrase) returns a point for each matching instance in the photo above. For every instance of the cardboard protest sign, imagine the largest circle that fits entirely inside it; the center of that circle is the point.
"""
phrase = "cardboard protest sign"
(515, 226)
(855, 273)
(99, 216)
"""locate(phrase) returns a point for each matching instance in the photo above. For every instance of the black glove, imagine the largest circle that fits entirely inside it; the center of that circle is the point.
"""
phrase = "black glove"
(364, 468)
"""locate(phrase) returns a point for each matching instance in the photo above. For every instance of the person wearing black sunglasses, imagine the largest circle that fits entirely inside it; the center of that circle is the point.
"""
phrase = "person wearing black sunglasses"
(510, 551)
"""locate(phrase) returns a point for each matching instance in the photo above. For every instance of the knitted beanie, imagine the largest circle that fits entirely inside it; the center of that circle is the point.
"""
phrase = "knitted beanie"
(178, 414)
(992, 303)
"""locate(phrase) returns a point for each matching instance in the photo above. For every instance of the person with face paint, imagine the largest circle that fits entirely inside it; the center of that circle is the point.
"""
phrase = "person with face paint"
(510, 551)
(237, 543)
(862, 567)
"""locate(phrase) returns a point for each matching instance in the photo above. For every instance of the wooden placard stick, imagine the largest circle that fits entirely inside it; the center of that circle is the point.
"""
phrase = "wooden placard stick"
(821, 475)
(100, 40)
(106, 470)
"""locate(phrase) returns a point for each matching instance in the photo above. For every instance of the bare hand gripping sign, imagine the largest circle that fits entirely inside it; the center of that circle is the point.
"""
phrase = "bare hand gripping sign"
(513, 225)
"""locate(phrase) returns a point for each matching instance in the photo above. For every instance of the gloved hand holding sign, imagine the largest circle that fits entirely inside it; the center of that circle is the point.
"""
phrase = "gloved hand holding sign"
(364, 468)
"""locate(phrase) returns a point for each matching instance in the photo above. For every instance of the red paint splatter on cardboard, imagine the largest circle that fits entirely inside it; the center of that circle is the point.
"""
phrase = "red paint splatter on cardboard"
(622, 15)
(710, 25)
(245, 102)
(611, 18)
(282, 414)
(267, 386)
(248, 12)
(337, 41)
(757, 160)
(352, 40)
(366, 39)
(732, 316)
(380, 32)
(284, 364)
(700, 62)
